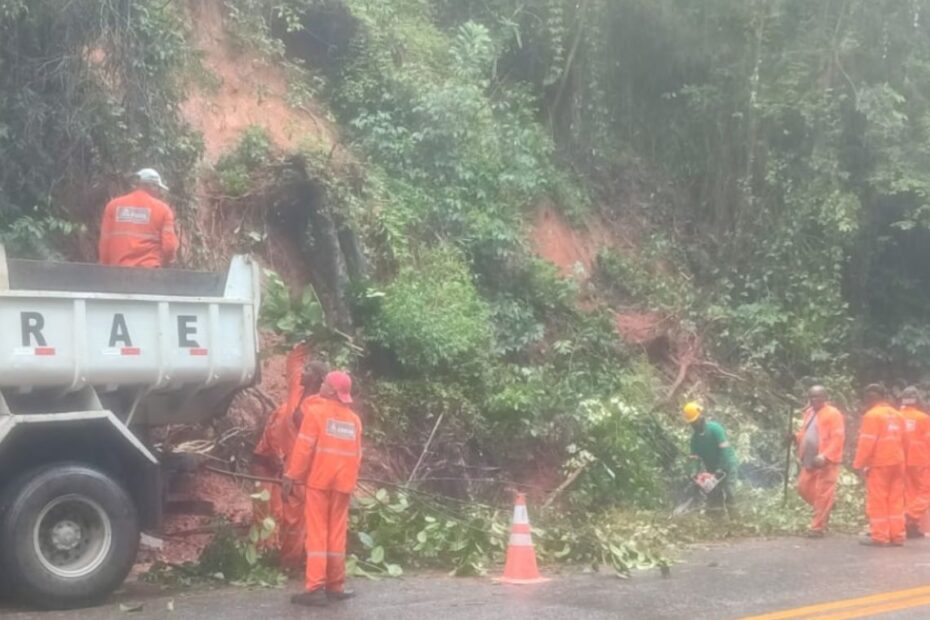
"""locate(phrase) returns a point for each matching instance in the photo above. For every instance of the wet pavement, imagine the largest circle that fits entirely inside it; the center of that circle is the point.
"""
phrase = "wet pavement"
(716, 582)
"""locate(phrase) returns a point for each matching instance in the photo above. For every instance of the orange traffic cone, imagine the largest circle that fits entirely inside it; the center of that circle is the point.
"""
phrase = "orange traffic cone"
(521, 556)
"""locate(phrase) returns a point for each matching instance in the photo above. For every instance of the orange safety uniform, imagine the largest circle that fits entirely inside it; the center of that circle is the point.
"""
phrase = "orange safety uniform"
(327, 456)
(137, 231)
(273, 449)
(881, 451)
(817, 485)
(917, 480)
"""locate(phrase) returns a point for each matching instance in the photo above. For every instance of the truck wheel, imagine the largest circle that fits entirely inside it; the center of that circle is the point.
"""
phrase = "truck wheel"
(68, 537)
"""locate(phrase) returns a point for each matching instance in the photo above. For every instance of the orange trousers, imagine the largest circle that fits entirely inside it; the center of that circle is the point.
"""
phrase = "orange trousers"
(917, 492)
(884, 503)
(817, 487)
(327, 520)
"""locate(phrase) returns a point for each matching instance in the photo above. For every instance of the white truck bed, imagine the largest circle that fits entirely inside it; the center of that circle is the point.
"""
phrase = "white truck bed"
(156, 346)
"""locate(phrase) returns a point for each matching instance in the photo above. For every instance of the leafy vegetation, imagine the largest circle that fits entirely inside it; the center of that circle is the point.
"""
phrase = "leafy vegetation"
(229, 558)
(410, 529)
(432, 318)
(86, 91)
(770, 156)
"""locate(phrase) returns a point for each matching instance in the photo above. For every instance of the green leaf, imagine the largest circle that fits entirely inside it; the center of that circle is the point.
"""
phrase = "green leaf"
(366, 539)
(394, 570)
(251, 555)
(262, 496)
(377, 555)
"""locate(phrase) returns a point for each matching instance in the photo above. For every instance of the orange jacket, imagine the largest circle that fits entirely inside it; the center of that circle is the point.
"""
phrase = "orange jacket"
(137, 231)
(328, 451)
(882, 441)
(917, 429)
(831, 433)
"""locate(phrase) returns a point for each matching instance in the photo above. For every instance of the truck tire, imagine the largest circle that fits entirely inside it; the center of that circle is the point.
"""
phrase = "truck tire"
(68, 536)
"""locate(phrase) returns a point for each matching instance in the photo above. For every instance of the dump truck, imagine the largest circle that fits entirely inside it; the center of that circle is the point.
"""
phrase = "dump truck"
(92, 358)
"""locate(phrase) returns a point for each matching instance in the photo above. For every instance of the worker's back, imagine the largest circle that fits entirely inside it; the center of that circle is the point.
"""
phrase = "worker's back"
(917, 427)
(328, 447)
(137, 231)
(881, 438)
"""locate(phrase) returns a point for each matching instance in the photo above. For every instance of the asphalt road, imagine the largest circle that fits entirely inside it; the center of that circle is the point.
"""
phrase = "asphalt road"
(716, 582)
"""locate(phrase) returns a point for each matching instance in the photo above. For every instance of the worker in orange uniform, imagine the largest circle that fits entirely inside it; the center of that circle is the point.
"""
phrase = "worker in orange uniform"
(917, 482)
(138, 229)
(820, 451)
(326, 458)
(272, 451)
(880, 456)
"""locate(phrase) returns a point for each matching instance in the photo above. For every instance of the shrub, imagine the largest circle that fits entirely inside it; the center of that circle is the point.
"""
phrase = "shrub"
(432, 318)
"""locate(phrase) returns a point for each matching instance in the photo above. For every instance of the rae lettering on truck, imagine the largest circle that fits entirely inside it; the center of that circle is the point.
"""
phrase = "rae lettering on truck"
(187, 329)
(120, 341)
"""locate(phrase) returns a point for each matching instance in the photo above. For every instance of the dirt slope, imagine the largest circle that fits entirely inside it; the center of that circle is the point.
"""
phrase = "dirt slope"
(242, 89)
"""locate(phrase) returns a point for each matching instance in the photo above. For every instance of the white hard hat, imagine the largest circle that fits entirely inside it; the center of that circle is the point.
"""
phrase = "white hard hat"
(149, 175)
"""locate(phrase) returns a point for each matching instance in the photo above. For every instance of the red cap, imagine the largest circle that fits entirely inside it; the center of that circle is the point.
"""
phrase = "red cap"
(341, 382)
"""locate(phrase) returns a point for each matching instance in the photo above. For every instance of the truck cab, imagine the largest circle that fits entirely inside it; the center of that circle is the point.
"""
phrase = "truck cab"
(91, 358)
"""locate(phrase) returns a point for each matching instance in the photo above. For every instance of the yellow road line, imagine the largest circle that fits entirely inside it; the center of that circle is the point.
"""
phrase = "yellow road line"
(811, 611)
(874, 610)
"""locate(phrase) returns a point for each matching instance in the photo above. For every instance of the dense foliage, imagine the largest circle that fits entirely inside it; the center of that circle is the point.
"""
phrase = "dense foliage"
(87, 89)
(772, 153)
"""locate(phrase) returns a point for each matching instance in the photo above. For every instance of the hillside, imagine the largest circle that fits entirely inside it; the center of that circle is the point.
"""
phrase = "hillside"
(531, 228)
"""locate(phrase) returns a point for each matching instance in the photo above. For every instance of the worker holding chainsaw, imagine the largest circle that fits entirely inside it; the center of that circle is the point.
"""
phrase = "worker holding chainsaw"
(712, 454)
(819, 443)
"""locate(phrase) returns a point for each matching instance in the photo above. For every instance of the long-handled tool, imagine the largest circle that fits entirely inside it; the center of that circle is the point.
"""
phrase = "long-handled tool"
(788, 453)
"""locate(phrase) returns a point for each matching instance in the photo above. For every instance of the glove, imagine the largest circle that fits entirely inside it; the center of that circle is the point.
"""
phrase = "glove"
(287, 485)
(790, 439)
(819, 461)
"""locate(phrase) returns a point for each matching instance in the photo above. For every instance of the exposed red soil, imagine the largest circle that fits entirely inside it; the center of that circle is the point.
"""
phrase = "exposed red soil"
(247, 91)
(641, 327)
(570, 249)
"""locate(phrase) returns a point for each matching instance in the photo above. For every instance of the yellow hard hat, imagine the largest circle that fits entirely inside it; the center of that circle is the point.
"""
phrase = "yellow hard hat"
(692, 411)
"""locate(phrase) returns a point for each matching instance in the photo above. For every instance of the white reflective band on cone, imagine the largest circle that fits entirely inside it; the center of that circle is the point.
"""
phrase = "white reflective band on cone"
(521, 540)
(520, 516)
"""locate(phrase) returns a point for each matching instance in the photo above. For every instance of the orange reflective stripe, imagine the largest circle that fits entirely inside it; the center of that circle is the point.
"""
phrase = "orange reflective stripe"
(132, 235)
(338, 452)
(325, 554)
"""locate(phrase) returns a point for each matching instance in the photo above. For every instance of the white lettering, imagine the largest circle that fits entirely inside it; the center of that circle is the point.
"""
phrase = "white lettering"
(133, 215)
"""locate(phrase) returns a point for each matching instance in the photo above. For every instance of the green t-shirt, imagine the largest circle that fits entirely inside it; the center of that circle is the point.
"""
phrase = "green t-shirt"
(713, 449)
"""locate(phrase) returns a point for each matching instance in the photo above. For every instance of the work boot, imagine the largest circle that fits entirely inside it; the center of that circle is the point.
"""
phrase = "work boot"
(913, 530)
(314, 598)
(868, 542)
(815, 534)
(896, 543)
(340, 596)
